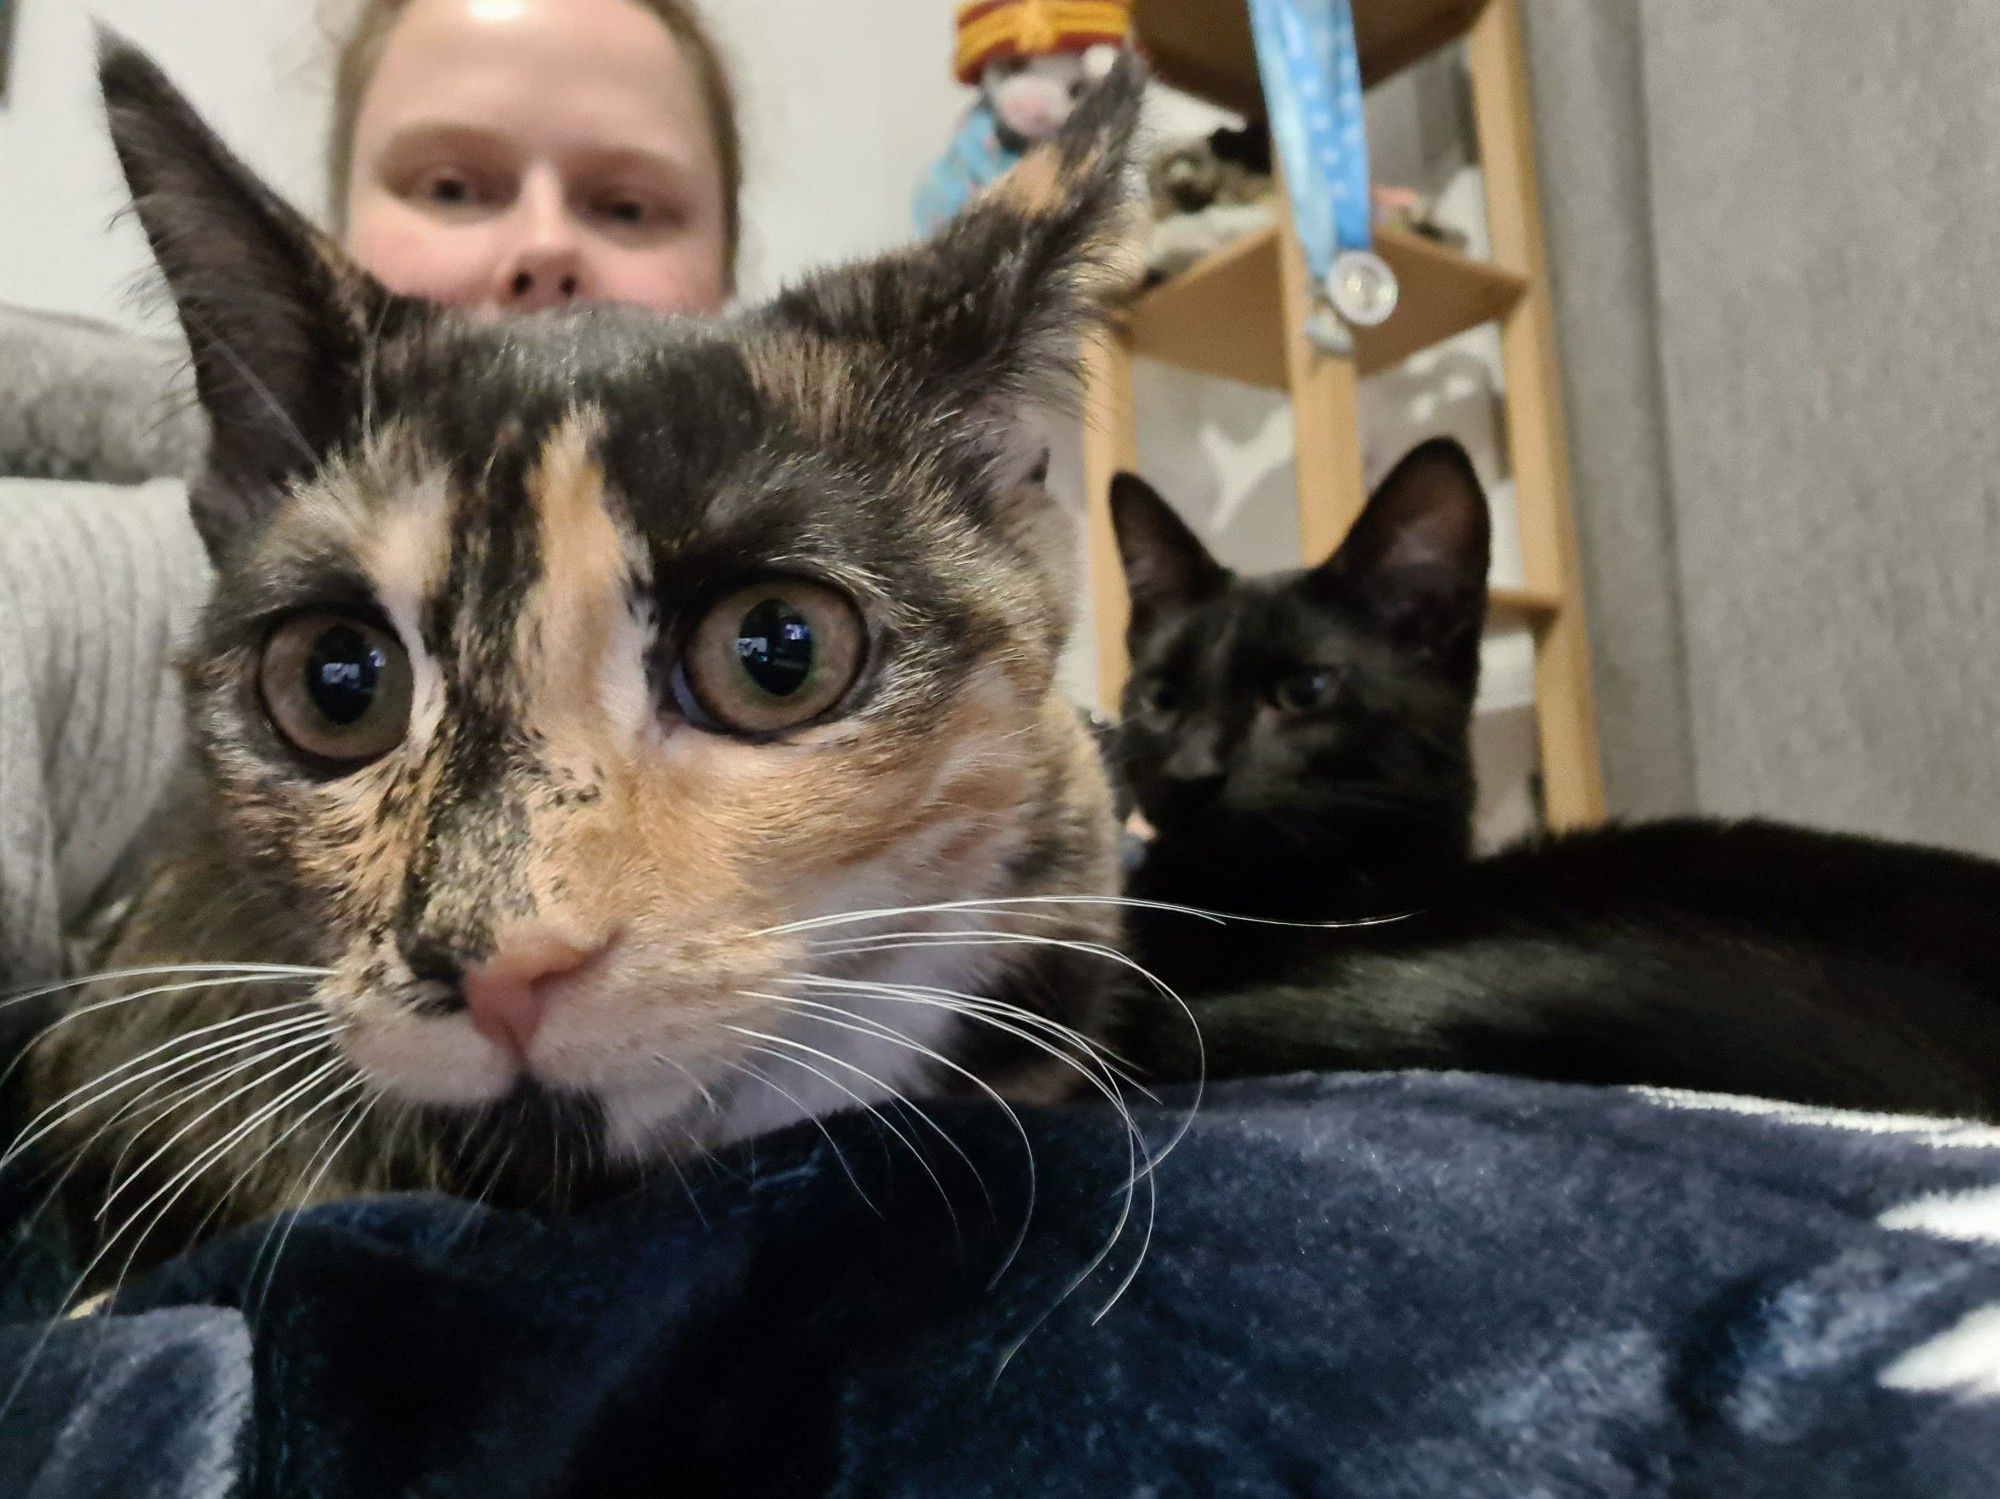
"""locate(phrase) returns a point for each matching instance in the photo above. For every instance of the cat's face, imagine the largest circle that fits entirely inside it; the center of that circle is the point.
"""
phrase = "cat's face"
(1314, 718)
(558, 670)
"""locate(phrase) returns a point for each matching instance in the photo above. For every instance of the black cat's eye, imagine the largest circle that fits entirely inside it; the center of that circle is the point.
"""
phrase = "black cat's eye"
(1305, 691)
(1159, 698)
(336, 687)
(773, 656)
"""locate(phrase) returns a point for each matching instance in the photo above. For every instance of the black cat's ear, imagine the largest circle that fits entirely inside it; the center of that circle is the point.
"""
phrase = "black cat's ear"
(986, 315)
(1416, 560)
(273, 312)
(1166, 566)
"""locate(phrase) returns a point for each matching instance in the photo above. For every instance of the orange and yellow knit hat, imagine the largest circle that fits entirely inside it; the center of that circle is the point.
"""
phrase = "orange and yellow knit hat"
(990, 30)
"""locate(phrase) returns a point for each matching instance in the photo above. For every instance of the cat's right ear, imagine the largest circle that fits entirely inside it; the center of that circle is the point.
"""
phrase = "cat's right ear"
(1166, 566)
(274, 313)
(1416, 560)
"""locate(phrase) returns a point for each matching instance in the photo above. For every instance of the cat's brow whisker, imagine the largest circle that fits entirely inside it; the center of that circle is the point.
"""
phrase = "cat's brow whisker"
(771, 1041)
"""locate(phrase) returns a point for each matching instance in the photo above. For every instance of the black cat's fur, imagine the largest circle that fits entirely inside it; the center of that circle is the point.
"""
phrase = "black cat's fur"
(1731, 957)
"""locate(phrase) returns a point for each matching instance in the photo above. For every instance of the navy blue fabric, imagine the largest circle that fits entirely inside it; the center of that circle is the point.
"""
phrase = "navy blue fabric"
(1400, 1285)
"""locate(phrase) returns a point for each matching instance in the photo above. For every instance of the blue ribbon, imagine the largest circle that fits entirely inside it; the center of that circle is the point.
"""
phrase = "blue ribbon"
(1311, 71)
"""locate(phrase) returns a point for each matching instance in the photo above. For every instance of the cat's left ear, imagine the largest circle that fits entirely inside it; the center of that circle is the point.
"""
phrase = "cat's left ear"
(986, 316)
(275, 314)
(1416, 560)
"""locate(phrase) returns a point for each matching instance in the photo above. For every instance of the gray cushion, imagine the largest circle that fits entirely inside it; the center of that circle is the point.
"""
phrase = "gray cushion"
(82, 400)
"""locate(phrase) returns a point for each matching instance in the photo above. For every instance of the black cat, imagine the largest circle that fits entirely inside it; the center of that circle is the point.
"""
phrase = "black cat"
(1300, 745)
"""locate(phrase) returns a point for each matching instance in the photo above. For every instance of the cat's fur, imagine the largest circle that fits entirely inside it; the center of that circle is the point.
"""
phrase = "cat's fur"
(1735, 957)
(539, 511)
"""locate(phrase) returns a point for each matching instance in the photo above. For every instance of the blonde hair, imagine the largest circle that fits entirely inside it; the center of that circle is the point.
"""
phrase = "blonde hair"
(360, 53)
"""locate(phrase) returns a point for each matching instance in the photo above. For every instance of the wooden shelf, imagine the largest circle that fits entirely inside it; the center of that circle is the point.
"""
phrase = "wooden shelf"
(1521, 606)
(1224, 315)
(1203, 47)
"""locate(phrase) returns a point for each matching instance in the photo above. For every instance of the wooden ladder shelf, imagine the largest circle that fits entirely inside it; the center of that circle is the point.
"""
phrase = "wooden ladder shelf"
(1241, 313)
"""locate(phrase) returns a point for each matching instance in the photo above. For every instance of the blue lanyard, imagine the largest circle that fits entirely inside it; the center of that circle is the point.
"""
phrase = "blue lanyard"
(1311, 72)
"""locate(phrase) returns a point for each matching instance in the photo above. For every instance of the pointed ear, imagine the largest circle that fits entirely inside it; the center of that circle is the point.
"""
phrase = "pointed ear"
(1166, 566)
(274, 314)
(986, 316)
(1416, 560)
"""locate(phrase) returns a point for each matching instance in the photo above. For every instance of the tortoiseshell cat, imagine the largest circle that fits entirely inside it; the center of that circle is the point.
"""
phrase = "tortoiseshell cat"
(1300, 742)
(569, 686)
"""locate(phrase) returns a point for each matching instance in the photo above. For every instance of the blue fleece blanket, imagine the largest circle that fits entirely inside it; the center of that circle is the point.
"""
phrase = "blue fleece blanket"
(1399, 1285)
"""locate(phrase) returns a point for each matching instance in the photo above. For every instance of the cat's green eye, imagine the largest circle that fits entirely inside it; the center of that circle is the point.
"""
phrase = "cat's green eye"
(336, 688)
(773, 656)
(1305, 691)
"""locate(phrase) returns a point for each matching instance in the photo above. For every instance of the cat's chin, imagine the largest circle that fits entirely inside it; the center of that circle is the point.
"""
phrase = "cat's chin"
(434, 1061)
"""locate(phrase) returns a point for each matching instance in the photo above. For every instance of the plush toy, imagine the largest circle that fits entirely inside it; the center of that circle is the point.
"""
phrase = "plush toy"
(1031, 61)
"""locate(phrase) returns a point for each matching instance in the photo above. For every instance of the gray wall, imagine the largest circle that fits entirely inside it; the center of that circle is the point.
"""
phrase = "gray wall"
(1770, 231)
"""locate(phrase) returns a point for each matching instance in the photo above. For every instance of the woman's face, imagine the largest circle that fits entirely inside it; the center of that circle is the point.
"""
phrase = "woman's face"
(511, 155)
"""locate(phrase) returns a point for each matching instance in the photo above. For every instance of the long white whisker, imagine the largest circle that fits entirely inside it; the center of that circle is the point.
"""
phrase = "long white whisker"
(849, 1020)
(161, 970)
(1010, 902)
(892, 1034)
(270, 1050)
(336, 1142)
(100, 1087)
(832, 1081)
(791, 1098)
(180, 1134)
(1091, 949)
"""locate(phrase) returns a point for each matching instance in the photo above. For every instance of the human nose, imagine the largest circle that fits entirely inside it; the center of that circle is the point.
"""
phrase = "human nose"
(543, 264)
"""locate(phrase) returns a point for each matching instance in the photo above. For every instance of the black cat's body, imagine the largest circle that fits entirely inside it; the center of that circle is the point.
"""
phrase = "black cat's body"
(1726, 957)
(1742, 957)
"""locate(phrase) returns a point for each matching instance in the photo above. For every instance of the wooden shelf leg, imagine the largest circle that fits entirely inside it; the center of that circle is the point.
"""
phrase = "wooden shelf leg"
(1572, 768)
(1110, 442)
(1326, 414)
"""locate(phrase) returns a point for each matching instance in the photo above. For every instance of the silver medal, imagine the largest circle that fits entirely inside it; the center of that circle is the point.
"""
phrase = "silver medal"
(1362, 288)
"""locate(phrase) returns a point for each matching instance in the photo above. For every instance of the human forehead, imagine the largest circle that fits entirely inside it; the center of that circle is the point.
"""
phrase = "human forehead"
(596, 70)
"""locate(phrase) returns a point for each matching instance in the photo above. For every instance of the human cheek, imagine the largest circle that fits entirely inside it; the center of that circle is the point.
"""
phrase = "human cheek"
(417, 256)
(685, 276)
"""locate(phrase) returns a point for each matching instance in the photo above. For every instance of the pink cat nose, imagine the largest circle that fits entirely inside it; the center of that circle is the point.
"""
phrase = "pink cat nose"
(508, 995)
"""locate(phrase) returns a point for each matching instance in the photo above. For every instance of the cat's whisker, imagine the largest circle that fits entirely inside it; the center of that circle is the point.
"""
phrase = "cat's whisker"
(839, 1155)
(200, 1088)
(158, 970)
(1014, 903)
(1136, 1152)
(97, 1089)
(706, 1094)
(890, 1033)
(829, 1014)
(333, 1145)
(179, 1184)
(911, 940)
(68, 1016)
(118, 1188)
(771, 1041)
